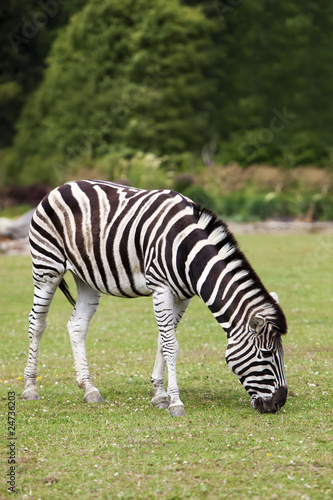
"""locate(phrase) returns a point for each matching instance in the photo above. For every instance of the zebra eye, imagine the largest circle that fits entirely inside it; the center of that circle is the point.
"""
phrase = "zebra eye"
(266, 354)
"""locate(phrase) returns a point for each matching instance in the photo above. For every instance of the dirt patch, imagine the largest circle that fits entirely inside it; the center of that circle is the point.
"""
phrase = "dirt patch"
(281, 227)
(232, 177)
(314, 178)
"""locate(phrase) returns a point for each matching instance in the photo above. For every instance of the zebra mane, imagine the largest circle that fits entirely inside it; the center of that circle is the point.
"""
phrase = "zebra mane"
(216, 229)
(218, 234)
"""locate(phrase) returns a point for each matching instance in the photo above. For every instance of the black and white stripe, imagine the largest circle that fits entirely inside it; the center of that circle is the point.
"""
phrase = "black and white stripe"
(129, 242)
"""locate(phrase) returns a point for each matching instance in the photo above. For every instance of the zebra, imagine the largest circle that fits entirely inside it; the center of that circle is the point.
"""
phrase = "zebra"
(129, 242)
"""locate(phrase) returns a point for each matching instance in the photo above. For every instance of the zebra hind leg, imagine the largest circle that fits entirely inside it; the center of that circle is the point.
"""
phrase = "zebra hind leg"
(86, 305)
(45, 287)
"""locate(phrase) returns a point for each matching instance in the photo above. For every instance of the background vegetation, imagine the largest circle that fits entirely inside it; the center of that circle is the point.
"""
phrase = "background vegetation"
(165, 86)
(127, 449)
(178, 94)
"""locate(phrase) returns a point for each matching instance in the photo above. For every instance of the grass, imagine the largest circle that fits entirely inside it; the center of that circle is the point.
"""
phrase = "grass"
(127, 449)
(14, 211)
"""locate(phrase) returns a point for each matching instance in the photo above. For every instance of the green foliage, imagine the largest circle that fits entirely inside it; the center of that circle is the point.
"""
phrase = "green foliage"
(125, 448)
(27, 30)
(143, 170)
(15, 211)
(263, 146)
(122, 75)
(200, 195)
(244, 206)
(279, 63)
(248, 82)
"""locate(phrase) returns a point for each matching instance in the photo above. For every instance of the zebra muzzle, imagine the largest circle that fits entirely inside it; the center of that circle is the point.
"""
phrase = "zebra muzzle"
(272, 404)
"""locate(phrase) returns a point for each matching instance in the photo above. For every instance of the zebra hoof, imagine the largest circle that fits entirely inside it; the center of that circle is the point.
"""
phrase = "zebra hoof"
(30, 394)
(161, 402)
(177, 411)
(93, 396)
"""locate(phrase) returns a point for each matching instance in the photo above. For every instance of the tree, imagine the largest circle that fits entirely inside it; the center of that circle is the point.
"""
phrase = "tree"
(280, 58)
(137, 75)
(27, 30)
(279, 80)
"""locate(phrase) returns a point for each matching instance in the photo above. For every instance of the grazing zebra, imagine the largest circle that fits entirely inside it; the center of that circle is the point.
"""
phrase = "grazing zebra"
(129, 242)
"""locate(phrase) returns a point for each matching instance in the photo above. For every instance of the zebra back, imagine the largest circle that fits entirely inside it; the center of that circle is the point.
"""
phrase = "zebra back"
(127, 242)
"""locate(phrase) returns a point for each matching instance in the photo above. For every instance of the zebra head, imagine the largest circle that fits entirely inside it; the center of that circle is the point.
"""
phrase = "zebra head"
(256, 357)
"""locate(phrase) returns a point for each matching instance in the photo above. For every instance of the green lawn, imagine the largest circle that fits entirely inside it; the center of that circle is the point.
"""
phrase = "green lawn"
(127, 449)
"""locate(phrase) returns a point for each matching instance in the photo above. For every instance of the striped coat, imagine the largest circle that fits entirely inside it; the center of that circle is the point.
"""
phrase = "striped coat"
(128, 242)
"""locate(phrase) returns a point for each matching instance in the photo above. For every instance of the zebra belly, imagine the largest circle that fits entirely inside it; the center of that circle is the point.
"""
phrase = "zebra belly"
(106, 282)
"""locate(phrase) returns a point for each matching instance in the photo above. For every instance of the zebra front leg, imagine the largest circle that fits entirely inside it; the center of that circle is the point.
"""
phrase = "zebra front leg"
(164, 307)
(86, 305)
(160, 399)
(176, 407)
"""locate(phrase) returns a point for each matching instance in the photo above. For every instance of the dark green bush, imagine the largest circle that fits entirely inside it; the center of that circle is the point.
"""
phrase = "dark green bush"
(200, 195)
(242, 206)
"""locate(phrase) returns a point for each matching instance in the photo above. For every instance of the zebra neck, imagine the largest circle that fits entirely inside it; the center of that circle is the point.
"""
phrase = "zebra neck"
(220, 274)
(231, 290)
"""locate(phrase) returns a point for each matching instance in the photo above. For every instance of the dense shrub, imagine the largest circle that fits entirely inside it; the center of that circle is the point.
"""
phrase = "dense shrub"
(200, 195)
(122, 77)
(244, 206)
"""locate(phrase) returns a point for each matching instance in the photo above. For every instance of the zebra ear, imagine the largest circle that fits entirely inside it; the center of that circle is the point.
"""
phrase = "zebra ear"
(275, 297)
(256, 323)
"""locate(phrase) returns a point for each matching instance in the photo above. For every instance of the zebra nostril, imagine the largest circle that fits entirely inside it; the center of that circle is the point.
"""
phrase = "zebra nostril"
(258, 404)
(276, 406)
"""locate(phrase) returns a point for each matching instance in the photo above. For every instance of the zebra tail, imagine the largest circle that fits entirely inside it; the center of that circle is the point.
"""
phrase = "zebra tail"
(66, 291)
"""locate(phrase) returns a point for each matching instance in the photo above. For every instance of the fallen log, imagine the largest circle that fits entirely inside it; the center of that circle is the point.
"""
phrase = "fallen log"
(16, 228)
